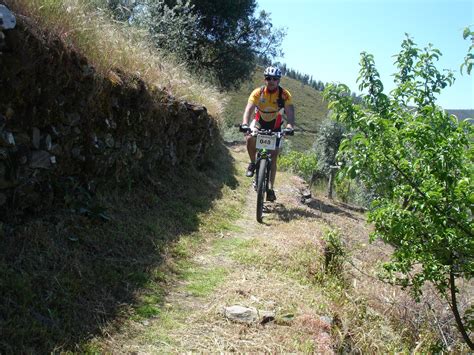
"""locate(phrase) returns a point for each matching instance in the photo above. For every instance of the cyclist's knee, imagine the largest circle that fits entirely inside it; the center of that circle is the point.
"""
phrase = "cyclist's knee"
(251, 139)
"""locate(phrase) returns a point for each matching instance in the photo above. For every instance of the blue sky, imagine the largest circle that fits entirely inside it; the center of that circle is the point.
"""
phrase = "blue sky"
(325, 38)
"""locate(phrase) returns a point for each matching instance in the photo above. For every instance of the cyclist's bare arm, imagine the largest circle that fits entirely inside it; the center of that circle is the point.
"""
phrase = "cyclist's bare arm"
(249, 110)
(290, 116)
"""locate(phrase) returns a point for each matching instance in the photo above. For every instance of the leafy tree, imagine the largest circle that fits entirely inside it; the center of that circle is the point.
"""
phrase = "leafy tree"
(173, 29)
(327, 143)
(419, 160)
(121, 9)
(328, 139)
(221, 38)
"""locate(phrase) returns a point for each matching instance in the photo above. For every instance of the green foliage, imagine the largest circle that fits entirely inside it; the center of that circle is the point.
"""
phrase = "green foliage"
(343, 189)
(353, 191)
(121, 9)
(172, 29)
(300, 163)
(328, 139)
(334, 253)
(327, 143)
(419, 161)
(469, 58)
(219, 39)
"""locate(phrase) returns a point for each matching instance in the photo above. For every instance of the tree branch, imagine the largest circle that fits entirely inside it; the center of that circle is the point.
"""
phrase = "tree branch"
(454, 308)
(417, 189)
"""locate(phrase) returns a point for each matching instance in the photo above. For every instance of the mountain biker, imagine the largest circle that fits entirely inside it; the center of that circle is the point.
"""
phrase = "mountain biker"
(268, 103)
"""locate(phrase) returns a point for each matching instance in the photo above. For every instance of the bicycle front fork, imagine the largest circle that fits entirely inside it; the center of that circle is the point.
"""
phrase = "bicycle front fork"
(267, 175)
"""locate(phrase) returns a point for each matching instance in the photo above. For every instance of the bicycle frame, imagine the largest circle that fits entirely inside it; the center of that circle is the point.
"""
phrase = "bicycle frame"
(268, 141)
(264, 161)
(262, 154)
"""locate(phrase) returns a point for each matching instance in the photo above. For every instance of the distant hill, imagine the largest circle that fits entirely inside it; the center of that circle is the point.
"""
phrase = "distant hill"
(462, 114)
(309, 106)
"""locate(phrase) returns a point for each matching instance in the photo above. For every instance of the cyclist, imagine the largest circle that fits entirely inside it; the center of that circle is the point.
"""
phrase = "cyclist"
(268, 103)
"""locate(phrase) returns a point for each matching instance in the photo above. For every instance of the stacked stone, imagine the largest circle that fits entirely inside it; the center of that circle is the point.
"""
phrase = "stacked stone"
(60, 121)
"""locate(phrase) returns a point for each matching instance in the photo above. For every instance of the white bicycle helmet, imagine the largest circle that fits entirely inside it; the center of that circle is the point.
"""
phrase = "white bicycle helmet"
(272, 71)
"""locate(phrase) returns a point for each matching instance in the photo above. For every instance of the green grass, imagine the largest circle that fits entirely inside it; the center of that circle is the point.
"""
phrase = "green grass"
(203, 281)
(147, 310)
(238, 249)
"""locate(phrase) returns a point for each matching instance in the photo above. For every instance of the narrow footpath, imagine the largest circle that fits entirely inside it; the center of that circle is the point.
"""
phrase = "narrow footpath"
(264, 288)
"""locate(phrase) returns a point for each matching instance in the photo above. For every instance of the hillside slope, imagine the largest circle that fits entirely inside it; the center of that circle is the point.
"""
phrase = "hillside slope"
(309, 107)
(462, 114)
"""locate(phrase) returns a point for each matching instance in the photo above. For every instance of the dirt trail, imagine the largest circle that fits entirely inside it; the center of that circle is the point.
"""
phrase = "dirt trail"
(261, 266)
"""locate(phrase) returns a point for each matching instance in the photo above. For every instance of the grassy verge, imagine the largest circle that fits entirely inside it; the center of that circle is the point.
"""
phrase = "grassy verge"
(66, 278)
(320, 269)
(179, 270)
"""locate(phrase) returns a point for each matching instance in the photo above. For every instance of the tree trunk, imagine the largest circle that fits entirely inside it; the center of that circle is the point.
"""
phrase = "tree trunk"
(457, 316)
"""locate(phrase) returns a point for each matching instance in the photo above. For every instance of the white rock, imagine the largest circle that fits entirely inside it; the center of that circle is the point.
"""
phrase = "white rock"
(241, 314)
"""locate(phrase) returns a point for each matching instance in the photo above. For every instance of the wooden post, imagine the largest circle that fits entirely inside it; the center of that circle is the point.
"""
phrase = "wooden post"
(332, 173)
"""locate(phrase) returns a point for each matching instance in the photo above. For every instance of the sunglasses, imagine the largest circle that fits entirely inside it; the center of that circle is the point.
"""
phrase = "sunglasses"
(270, 78)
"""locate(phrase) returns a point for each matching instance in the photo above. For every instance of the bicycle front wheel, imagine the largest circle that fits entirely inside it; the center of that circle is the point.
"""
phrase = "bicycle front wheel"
(261, 187)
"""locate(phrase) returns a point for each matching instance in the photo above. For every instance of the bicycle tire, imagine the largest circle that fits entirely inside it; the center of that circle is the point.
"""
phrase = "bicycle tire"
(261, 187)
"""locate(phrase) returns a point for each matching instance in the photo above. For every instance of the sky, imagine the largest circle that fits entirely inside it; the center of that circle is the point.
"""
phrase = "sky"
(325, 38)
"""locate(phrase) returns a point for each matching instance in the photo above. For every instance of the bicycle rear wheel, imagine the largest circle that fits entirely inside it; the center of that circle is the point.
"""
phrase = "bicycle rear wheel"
(261, 187)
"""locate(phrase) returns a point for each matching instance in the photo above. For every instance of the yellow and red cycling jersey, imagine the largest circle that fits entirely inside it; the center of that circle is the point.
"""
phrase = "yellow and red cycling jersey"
(266, 102)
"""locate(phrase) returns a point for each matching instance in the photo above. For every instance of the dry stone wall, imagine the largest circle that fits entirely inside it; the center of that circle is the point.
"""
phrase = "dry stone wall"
(61, 123)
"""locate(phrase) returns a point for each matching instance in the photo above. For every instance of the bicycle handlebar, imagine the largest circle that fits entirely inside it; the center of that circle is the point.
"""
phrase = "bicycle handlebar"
(268, 132)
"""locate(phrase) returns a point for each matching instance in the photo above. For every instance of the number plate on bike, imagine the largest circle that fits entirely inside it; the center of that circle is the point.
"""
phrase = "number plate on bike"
(266, 142)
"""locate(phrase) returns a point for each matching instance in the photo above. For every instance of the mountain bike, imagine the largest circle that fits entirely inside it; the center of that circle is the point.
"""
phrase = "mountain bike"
(267, 143)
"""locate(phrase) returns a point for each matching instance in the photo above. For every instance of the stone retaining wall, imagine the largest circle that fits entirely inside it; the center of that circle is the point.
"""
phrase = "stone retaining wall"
(61, 122)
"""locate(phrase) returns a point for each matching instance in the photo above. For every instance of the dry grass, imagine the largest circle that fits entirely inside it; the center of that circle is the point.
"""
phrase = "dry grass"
(200, 325)
(68, 277)
(272, 267)
(109, 46)
(226, 258)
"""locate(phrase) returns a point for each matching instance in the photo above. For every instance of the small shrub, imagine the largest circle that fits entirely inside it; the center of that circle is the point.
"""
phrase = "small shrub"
(334, 253)
(354, 192)
(301, 163)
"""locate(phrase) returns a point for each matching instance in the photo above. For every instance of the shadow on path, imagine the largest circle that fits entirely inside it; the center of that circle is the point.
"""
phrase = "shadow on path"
(289, 214)
(64, 277)
(323, 207)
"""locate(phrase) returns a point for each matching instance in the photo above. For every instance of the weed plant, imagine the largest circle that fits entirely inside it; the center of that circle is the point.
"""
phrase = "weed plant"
(334, 253)
(354, 192)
